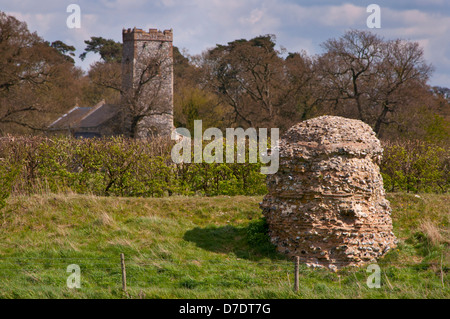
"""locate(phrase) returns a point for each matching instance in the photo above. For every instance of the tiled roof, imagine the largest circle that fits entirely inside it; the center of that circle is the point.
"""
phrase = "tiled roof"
(85, 117)
(70, 119)
(99, 116)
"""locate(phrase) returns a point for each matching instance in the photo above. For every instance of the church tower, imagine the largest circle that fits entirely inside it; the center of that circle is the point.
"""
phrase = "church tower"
(147, 81)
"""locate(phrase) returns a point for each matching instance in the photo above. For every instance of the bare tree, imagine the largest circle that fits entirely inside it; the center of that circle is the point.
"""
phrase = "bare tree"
(346, 70)
(35, 78)
(249, 76)
(402, 73)
(366, 77)
(301, 94)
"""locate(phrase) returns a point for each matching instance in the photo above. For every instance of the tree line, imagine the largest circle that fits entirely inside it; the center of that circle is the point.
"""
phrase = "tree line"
(244, 83)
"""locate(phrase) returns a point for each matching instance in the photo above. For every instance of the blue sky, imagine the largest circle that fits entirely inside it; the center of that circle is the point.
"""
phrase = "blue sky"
(201, 24)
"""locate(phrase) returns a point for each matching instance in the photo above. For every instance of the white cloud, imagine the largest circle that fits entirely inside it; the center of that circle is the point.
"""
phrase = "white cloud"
(343, 15)
(122, 4)
(41, 22)
(168, 3)
(430, 30)
(254, 17)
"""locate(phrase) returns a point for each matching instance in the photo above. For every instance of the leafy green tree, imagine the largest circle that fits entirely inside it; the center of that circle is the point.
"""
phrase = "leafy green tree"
(109, 50)
(68, 51)
(247, 75)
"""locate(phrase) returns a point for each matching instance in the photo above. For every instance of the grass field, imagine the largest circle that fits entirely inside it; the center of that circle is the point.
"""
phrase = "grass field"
(200, 247)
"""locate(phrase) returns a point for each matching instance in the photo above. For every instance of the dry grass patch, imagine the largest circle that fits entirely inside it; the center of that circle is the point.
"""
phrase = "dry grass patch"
(433, 233)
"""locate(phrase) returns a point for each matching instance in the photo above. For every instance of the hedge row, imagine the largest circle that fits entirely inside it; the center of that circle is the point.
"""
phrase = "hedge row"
(126, 167)
(416, 166)
(120, 167)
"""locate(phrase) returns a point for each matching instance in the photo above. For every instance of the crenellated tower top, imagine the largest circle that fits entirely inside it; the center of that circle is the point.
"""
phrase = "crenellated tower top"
(152, 35)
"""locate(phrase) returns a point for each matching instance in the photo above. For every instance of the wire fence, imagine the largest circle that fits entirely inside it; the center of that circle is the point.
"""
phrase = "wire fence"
(140, 272)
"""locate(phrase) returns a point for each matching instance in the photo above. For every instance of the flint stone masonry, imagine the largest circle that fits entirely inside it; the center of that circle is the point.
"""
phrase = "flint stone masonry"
(326, 204)
(140, 47)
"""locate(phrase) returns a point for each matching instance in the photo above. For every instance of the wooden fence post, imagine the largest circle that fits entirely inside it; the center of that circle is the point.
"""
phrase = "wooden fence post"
(296, 282)
(124, 272)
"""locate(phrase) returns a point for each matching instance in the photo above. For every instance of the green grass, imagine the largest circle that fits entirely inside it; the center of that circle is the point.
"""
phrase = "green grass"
(200, 247)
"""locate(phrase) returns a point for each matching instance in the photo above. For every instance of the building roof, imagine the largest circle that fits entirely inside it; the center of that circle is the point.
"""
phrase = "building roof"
(85, 117)
(70, 119)
(99, 115)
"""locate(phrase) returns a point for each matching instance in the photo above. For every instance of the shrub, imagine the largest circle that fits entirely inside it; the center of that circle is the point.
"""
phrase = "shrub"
(7, 177)
(415, 166)
(257, 232)
(120, 166)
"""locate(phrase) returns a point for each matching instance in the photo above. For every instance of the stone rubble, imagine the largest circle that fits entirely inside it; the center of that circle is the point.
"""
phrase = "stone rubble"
(326, 204)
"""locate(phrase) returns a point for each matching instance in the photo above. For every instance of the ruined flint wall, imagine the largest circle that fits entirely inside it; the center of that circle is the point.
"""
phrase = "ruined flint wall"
(327, 204)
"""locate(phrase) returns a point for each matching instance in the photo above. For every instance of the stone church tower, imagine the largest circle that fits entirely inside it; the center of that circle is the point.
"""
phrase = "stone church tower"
(147, 81)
